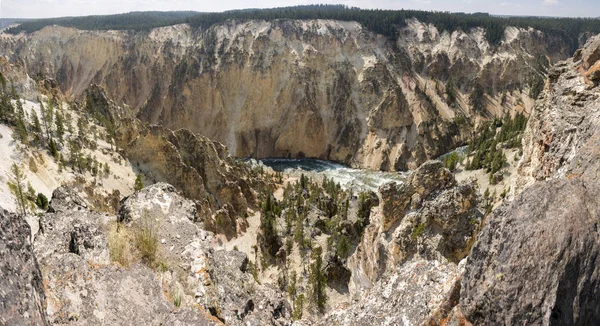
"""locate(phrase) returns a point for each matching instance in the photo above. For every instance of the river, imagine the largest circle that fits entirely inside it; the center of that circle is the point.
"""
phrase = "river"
(347, 177)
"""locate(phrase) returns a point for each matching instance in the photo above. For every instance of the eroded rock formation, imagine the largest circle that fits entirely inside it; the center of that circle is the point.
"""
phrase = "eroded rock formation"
(536, 260)
(291, 88)
(22, 297)
(186, 282)
(430, 216)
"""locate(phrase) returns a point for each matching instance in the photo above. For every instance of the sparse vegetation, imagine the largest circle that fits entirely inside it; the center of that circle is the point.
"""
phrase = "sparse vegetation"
(139, 184)
(486, 150)
(16, 184)
(146, 239)
(119, 244)
(177, 299)
(418, 230)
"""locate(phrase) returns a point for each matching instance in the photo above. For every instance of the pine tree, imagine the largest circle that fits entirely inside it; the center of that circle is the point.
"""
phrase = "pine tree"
(60, 126)
(450, 92)
(44, 121)
(36, 128)
(298, 307)
(53, 149)
(476, 99)
(20, 128)
(16, 184)
(317, 281)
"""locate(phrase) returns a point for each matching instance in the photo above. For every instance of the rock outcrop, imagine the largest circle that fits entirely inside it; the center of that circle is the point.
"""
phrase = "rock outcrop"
(564, 127)
(202, 170)
(536, 260)
(22, 297)
(95, 271)
(407, 267)
(430, 216)
(409, 295)
(217, 280)
(291, 88)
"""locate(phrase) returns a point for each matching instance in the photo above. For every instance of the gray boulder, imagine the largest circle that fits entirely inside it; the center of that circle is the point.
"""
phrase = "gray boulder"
(65, 199)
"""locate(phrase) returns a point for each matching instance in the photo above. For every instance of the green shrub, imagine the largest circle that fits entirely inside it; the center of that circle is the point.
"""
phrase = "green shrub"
(451, 160)
(418, 230)
(42, 201)
(139, 184)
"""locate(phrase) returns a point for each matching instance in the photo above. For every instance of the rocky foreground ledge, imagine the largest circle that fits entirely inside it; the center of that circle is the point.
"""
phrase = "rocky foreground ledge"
(22, 297)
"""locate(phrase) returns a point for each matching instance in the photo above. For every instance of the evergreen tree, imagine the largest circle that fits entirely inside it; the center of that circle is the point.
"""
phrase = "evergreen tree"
(16, 184)
(53, 149)
(44, 116)
(298, 307)
(450, 92)
(139, 184)
(317, 281)
(36, 128)
(476, 98)
(60, 126)
(20, 128)
(42, 201)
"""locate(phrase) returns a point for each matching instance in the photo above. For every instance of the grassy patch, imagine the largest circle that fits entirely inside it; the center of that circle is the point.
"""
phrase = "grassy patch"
(119, 245)
(146, 239)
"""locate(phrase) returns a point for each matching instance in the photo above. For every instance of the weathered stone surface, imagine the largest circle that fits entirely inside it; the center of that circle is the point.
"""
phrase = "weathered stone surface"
(537, 260)
(431, 217)
(397, 199)
(408, 295)
(84, 286)
(590, 53)
(22, 297)
(65, 199)
(563, 124)
(217, 280)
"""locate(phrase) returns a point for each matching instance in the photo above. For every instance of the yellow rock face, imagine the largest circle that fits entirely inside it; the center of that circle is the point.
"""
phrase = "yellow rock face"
(319, 88)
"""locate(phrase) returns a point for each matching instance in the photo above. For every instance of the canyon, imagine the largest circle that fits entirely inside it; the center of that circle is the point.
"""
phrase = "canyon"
(290, 88)
(211, 239)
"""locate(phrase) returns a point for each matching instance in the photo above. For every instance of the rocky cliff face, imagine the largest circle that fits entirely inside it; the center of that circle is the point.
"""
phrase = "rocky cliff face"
(22, 298)
(407, 267)
(536, 260)
(95, 270)
(325, 89)
(563, 129)
(430, 217)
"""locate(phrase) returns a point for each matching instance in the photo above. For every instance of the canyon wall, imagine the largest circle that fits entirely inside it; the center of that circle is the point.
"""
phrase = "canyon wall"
(292, 88)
